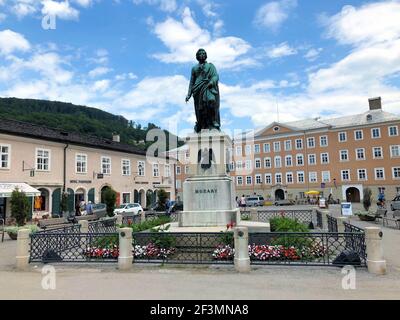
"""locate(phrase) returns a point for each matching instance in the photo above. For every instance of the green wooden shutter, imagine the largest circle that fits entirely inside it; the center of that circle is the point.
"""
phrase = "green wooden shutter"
(91, 195)
(56, 201)
(30, 200)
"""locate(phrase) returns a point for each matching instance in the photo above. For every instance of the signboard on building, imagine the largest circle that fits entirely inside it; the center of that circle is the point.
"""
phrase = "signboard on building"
(347, 209)
(100, 176)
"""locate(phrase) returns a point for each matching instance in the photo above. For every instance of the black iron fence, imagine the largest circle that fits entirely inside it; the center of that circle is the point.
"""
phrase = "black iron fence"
(52, 247)
(332, 224)
(352, 228)
(314, 249)
(67, 228)
(304, 216)
(320, 224)
(245, 214)
(131, 219)
(103, 226)
(183, 248)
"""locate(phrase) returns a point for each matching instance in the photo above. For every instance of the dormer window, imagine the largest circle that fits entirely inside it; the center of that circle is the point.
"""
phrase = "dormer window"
(369, 117)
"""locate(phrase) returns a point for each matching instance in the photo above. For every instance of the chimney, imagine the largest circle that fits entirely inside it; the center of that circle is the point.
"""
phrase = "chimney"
(375, 103)
(116, 137)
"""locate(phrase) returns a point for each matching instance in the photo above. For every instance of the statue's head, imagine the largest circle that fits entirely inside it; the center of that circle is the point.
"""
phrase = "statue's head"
(201, 52)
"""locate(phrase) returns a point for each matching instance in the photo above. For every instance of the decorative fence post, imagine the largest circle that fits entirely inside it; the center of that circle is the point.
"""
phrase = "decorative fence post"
(125, 258)
(119, 219)
(340, 223)
(253, 214)
(23, 244)
(325, 214)
(242, 259)
(376, 263)
(142, 216)
(84, 226)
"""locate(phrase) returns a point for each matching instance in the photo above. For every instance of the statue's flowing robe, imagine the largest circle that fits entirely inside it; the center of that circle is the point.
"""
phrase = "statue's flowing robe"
(206, 100)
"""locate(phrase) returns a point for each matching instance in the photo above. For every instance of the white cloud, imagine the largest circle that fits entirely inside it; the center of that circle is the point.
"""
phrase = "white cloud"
(11, 41)
(23, 8)
(164, 5)
(101, 85)
(313, 54)
(99, 71)
(84, 3)
(3, 17)
(281, 50)
(272, 14)
(183, 39)
(62, 10)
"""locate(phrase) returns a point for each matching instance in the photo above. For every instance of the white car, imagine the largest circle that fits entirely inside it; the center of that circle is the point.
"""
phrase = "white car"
(129, 209)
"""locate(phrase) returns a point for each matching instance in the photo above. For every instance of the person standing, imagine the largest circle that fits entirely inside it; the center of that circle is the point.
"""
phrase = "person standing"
(77, 209)
(89, 208)
(243, 201)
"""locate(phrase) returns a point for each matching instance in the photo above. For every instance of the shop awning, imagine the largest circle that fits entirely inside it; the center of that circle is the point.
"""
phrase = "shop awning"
(7, 188)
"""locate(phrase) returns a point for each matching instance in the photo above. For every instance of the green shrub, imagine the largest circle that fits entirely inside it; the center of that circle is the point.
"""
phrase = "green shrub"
(149, 224)
(19, 206)
(14, 229)
(367, 201)
(109, 197)
(283, 224)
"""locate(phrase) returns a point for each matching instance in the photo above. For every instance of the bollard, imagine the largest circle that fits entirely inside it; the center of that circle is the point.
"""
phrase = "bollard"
(142, 216)
(84, 226)
(125, 258)
(253, 214)
(242, 260)
(23, 244)
(119, 220)
(340, 223)
(376, 263)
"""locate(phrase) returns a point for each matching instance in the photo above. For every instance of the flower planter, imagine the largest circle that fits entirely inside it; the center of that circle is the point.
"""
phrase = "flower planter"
(367, 218)
(12, 235)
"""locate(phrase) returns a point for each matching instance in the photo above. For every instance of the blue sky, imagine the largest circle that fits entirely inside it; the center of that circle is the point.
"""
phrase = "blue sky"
(133, 57)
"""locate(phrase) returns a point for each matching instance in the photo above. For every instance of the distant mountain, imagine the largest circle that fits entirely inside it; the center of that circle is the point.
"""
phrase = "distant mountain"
(74, 118)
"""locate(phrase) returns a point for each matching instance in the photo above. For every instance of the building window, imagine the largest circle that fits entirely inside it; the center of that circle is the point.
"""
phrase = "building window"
(300, 160)
(186, 169)
(393, 131)
(248, 150)
(326, 176)
(358, 135)
(377, 152)
(312, 159)
(4, 156)
(288, 161)
(141, 168)
(375, 133)
(300, 176)
(324, 158)
(268, 178)
(267, 163)
(323, 141)
(312, 177)
(360, 154)
(126, 197)
(395, 151)
(187, 155)
(239, 165)
(267, 148)
(167, 170)
(239, 181)
(345, 175)
(396, 172)
(362, 174)
(278, 162)
(289, 177)
(278, 178)
(288, 145)
(239, 150)
(42, 160)
(231, 166)
(379, 173)
(81, 163)
(249, 180)
(248, 165)
(178, 184)
(258, 179)
(311, 142)
(342, 136)
(126, 167)
(299, 144)
(277, 146)
(258, 163)
(178, 170)
(344, 155)
(256, 148)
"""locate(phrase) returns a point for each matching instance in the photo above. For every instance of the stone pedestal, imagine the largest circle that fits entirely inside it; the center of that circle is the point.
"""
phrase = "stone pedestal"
(208, 195)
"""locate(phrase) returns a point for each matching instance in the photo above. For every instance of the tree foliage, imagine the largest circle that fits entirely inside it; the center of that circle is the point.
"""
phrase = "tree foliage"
(367, 201)
(109, 197)
(19, 206)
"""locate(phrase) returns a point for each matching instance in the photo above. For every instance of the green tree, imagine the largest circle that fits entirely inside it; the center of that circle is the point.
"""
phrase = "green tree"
(64, 203)
(162, 199)
(19, 206)
(110, 197)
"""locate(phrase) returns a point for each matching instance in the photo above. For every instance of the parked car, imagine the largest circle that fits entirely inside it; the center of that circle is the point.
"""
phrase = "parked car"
(284, 202)
(129, 208)
(100, 210)
(176, 206)
(395, 206)
(255, 201)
